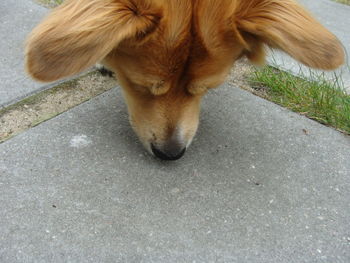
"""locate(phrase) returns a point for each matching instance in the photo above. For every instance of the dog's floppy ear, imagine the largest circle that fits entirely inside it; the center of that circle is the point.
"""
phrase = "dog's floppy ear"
(81, 32)
(285, 25)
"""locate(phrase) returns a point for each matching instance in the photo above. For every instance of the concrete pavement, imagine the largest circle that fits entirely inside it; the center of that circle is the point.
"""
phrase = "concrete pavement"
(259, 184)
(17, 18)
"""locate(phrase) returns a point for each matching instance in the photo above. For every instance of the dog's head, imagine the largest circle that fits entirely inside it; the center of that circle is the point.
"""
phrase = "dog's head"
(168, 54)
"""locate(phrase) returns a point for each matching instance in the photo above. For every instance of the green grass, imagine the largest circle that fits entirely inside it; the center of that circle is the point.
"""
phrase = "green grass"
(347, 2)
(321, 100)
(50, 3)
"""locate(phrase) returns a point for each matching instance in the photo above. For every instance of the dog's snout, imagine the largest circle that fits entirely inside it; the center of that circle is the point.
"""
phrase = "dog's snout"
(169, 152)
(172, 148)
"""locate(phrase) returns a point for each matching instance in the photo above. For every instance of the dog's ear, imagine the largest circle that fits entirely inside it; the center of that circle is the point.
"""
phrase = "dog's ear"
(81, 32)
(285, 25)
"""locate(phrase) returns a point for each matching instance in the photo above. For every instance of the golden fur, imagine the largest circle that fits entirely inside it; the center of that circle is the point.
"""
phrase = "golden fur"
(167, 54)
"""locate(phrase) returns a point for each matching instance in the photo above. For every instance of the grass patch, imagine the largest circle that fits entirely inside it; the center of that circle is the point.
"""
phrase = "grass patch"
(320, 100)
(50, 3)
(347, 2)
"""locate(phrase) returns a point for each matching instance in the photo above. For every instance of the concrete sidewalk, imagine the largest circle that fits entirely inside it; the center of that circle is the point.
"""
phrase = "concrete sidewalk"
(17, 18)
(259, 184)
(335, 17)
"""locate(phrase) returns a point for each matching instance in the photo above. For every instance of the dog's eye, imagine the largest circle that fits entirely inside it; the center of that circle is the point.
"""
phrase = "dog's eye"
(156, 88)
(140, 88)
(159, 88)
(197, 89)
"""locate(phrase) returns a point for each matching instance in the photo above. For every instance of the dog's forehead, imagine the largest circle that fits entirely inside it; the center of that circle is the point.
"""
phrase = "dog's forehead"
(189, 44)
(188, 35)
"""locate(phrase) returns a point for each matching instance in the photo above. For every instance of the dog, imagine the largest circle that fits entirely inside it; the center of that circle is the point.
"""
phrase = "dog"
(168, 54)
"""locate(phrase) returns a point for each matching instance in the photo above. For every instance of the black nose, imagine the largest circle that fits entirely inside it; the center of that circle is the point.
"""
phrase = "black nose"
(170, 155)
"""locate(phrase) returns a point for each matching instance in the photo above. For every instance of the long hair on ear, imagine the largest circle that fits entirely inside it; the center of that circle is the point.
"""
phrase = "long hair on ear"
(286, 25)
(79, 33)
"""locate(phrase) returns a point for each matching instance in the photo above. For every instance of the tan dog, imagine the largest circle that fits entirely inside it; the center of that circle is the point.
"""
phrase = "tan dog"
(168, 53)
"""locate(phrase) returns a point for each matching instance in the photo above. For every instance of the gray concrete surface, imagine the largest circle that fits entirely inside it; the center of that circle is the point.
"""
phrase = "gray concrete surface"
(259, 184)
(335, 17)
(17, 18)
